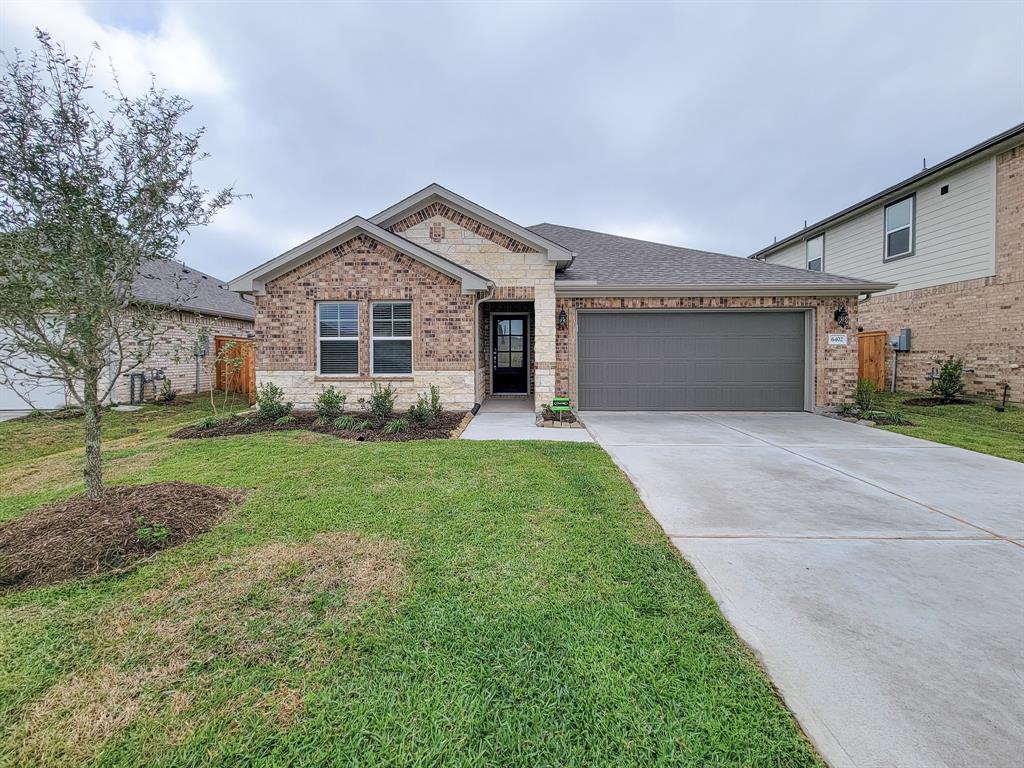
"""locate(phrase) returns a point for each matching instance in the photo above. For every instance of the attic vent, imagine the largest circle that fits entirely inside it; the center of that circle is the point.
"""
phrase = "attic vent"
(436, 232)
(944, 190)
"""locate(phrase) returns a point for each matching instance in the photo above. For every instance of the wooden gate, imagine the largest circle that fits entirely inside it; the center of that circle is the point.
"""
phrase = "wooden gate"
(233, 376)
(871, 347)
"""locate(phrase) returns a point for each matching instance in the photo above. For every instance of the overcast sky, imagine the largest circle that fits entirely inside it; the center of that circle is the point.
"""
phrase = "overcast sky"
(713, 126)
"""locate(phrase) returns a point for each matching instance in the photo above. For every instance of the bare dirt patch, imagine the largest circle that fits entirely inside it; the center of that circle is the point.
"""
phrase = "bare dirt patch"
(249, 423)
(276, 603)
(930, 401)
(81, 537)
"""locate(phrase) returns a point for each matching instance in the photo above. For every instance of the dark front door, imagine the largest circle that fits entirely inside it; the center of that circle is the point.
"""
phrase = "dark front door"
(510, 357)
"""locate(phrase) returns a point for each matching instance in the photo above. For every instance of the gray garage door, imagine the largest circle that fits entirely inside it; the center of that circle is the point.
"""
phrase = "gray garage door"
(691, 361)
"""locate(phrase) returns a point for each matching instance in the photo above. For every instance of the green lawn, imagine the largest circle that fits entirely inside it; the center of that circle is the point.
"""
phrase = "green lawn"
(501, 604)
(977, 427)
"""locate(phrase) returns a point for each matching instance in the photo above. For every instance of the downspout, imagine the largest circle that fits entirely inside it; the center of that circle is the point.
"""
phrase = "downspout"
(476, 342)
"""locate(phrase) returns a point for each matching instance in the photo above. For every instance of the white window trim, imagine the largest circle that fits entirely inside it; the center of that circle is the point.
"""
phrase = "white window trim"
(319, 338)
(885, 226)
(807, 258)
(412, 344)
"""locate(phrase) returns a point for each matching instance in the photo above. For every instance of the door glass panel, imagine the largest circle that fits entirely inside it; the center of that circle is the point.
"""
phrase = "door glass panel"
(503, 342)
(517, 360)
(503, 327)
(516, 327)
(503, 360)
(517, 343)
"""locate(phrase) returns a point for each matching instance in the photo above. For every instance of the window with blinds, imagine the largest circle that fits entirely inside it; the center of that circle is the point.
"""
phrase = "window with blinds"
(391, 345)
(338, 337)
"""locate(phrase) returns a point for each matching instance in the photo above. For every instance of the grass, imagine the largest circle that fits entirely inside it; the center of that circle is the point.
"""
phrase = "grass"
(977, 426)
(428, 603)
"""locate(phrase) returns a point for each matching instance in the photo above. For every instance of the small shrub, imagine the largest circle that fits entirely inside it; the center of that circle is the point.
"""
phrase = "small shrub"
(364, 424)
(949, 384)
(345, 422)
(892, 416)
(864, 394)
(167, 393)
(270, 401)
(152, 534)
(246, 422)
(382, 400)
(329, 403)
(848, 409)
(285, 420)
(209, 422)
(435, 401)
(395, 426)
(423, 412)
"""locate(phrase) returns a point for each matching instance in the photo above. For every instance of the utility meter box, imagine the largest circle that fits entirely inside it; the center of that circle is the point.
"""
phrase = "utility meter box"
(901, 343)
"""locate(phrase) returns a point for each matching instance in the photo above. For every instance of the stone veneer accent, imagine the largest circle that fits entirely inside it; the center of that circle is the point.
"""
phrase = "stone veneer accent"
(176, 334)
(835, 367)
(517, 276)
(980, 320)
(365, 271)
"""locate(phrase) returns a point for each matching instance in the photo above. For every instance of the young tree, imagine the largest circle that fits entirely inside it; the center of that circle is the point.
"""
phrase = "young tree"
(93, 186)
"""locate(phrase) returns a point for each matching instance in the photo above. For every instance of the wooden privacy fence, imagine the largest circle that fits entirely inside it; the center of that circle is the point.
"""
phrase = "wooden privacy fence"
(871, 347)
(233, 377)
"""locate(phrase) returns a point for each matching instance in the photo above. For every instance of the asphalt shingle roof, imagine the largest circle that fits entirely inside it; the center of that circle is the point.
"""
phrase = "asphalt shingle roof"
(172, 283)
(615, 260)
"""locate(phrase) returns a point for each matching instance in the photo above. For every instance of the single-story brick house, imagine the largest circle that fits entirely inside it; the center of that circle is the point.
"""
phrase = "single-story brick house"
(439, 290)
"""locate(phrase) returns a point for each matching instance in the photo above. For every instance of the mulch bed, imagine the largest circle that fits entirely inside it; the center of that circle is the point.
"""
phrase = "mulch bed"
(929, 401)
(250, 423)
(80, 537)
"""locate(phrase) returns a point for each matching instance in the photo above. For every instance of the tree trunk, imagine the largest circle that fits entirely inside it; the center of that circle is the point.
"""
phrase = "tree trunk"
(93, 460)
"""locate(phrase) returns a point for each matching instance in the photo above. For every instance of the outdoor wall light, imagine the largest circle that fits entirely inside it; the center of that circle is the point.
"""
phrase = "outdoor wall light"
(563, 320)
(841, 316)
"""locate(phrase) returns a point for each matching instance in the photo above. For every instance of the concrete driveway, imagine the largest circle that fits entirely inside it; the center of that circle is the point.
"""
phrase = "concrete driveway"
(879, 578)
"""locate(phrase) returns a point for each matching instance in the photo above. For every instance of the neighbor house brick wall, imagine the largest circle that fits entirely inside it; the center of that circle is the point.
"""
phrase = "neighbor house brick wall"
(517, 275)
(835, 367)
(980, 320)
(365, 271)
(176, 335)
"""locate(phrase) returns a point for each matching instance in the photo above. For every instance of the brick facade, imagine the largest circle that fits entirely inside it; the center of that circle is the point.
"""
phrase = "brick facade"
(365, 271)
(980, 320)
(835, 367)
(176, 334)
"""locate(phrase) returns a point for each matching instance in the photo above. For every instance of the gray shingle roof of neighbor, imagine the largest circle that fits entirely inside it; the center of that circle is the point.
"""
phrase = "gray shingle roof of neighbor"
(163, 281)
(614, 260)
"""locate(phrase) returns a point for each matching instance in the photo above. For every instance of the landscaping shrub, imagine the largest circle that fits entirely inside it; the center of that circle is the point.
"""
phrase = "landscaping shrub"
(382, 400)
(864, 394)
(152, 533)
(345, 422)
(270, 401)
(329, 403)
(950, 382)
(167, 393)
(421, 413)
(395, 426)
(435, 401)
(209, 422)
(285, 420)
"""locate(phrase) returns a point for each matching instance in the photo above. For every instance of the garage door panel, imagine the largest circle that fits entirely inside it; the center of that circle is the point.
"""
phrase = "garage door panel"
(634, 360)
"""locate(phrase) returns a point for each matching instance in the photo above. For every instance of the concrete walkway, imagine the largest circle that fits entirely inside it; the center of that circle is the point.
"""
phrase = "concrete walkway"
(512, 418)
(879, 578)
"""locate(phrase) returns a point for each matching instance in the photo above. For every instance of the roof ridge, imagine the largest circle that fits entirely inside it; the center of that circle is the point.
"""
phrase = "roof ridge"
(635, 239)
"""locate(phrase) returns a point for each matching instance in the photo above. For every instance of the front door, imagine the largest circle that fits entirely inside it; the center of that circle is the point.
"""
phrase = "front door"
(510, 357)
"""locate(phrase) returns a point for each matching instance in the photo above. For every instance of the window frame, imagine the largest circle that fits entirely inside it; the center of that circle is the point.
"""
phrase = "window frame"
(412, 344)
(807, 261)
(320, 338)
(912, 226)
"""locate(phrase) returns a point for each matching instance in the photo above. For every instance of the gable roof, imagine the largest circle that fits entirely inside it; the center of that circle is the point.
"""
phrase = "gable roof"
(256, 279)
(171, 283)
(435, 192)
(994, 145)
(610, 264)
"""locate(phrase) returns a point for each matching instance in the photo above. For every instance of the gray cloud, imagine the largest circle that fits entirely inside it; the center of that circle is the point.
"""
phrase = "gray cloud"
(712, 126)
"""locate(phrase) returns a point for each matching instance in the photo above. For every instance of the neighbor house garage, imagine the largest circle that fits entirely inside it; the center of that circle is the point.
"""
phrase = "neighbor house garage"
(439, 291)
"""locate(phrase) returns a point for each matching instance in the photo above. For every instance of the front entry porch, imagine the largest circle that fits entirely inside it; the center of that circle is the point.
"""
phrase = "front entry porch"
(504, 417)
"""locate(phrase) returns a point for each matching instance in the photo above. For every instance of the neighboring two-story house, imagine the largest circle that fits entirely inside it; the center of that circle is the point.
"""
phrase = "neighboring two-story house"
(952, 240)
(437, 290)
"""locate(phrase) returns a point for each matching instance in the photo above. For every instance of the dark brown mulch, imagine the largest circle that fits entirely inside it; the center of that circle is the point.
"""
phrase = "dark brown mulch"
(249, 423)
(929, 401)
(80, 537)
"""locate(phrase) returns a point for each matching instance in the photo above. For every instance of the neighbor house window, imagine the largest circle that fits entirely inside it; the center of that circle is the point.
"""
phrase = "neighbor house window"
(338, 337)
(899, 228)
(392, 338)
(816, 253)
